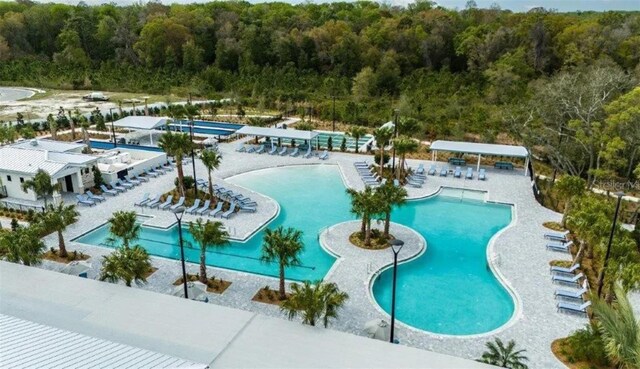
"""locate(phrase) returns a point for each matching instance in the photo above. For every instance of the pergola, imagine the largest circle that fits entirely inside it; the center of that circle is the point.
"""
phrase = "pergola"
(482, 149)
(142, 123)
(293, 134)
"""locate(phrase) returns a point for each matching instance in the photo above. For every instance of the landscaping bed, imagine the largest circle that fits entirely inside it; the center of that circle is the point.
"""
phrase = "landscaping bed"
(378, 241)
(266, 295)
(53, 255)
(213, 285)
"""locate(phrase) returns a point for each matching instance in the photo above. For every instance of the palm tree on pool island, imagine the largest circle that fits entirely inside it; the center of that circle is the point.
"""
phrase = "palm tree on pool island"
(283, 246)
(314, 301)
(208, 235)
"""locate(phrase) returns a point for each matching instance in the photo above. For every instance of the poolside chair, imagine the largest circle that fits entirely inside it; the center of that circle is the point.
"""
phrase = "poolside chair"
(83, 200)
(559, 246)
(250, 149)
(260, 149)
(414, 184)
(193, 208)
(567, 279)
(126, 185)
(415, 178)
(139, 178)
(557, 236)
(204, 208)
(153, 203)
(444, 171)
(432, 170)
(309, 153)
(116, 187)
(168, 167)
(361, 164)
(420, 169)
(177, 204)
(482, 175)
(248, 208)
(570, 270)
(107, 191)
(457, 173)
(295, 152)
(574, 308)
(160, 170)
(167, 203)
(283, 151)
(143, 200)
(274, 150)
(573, 294)
(229, 212)
(95, 198)
(218, 209)
(151, 173)
(240, 147)
(469, 174)
(324, 155)
(134, 182)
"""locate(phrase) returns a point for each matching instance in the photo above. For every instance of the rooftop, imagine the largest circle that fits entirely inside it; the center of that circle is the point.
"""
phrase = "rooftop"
(480, 148)
(141, 122)
(277, 132)
(49, 145)
(23, 160)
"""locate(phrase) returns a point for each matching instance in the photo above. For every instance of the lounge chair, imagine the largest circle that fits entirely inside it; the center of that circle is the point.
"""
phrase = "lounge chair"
(420, 169)
(117, 188)
(283, 151)
(126, 185)
(457, 173)
(83, 200)
(444, 171)
(361, 164)
(295, 152)
(309, 153)
(557, 236)
(244, 207)
(229, 212)
(151, 173)
(570, 270)
(139, 178)
(167, 203)
(204, 208)
(134, 182)
(573, 294)
(324, 155)
(95, 198)
(432, 170)
(396, 183)
(160, 170)
(168, 167)
(177, 204)
(251, 149)
(240, 148)
(274, 150)
(417, 179)
(567, 279)
(153, 203)
(260, 149)
(469, 174)
(143, 200)
(482, 175)
(559, 246)
(575, 308)
(107, 191)
(195, 207)
(414, 184)
(218, 209)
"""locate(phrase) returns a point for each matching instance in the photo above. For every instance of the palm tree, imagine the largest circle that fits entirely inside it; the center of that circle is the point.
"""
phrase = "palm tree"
(404, 145)
(505, 357)
(127, 264)
(211, 160)
(569, 187)
(357, 132)
(53, 126)
(365, 204)
(123, 226)
(57, 218)
(177, 145)
(282, 246)
(390, 196)
(382, 137)
(41, 185)
(620, 330)
(208, 235)
(23, 245)
(314, 301)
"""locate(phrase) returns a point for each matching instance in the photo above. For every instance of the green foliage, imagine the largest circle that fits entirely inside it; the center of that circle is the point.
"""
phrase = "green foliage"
(97, 177)
(314, 301)
(123, 228)
(22, 245)
(177, 145)
(357, 132)
(586, 345)
(56, 219)
(504, 356)
(41, 185)
(208, 235)
(282, 246)
(211, 160)
(343, 144)
(126, 264)
(330, 143)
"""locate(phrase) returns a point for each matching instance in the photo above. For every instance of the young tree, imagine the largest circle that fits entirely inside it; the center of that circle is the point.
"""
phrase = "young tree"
(284, 247)
(357, 132)
(57, 218)
(41, 185)
(365, 204)
(390, 196)
(317, 301)
(123, 226)
(177, 145)
(53, 126)
(127, 264)
(97, 177)
(22, 245)
(208, 235)
(504, 356)
(569, 187)
(404, 145)
(211, 160)
(382, 137)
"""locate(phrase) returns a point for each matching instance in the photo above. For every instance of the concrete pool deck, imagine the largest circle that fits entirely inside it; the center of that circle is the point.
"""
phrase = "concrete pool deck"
(517, 253)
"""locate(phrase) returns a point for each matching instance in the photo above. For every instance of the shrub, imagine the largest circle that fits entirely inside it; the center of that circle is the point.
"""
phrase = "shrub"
(14, 224)
(330, 143)
(97, 177)
(385, 158)
(188, 182)
(343, 145)
(587, 345)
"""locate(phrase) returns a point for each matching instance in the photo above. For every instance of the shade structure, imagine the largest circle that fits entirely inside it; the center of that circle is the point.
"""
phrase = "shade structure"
(277, 133)
(76, 268)
(378, 329)
(195, 290)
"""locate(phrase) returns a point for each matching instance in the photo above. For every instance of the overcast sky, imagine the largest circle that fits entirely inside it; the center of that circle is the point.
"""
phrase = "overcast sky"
(515, 5)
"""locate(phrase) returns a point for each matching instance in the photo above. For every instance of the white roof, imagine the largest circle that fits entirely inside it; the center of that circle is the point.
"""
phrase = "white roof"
(13, 159)
(50, 145)
(141, 122)
(26, 344)
(480, 148)
(193, 330)
(277, 132)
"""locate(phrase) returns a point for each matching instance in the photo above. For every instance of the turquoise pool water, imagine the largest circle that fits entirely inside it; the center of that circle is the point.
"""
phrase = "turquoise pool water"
(449, 289)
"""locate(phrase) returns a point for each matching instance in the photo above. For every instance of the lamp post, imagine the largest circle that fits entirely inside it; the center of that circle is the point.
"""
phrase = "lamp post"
(179, 212)
(606, 258)
(113, 130)
(193, 160)
(395, 134)
(396, 246)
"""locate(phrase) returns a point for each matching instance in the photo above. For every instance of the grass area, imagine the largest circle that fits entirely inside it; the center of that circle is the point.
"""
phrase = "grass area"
(563, 351)
(267, 295)
(213, 285)
(378, 241)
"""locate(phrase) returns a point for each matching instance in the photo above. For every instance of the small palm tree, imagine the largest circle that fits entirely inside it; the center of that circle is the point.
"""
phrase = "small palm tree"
(53, 126)
(505, 357)
(211, 160)
(208, 235)
(390, 196)
(570, 187)
(57, 218)
(314, 301)
(382, 137)
(620, 330)
(127, 264)
(177, 145)
(357, 132)
(41, 185)
(282, 246)
(23, 245)
(123, 226)
(365, 204)
(404, 145)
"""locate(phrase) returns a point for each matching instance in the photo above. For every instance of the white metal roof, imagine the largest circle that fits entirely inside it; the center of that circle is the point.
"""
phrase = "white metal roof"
(141, 122)
(277, 132)
(13, 159)
(50, 145)
(480, 148)
(25, 344)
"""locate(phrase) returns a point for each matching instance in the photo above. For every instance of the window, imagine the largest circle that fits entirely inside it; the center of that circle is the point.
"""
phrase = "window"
(21, 180)
(9, 178)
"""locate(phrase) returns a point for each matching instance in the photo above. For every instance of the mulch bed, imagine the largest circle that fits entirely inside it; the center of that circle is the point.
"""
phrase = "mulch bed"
(267, 295)
(213, 285)
(378, 242)
(71, 256)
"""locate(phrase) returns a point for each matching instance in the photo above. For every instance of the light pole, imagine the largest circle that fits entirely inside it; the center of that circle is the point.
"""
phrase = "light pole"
(193, 160)
(113, 130)
(606, 258)
(395, 133)
(396, 246)
(179, 212)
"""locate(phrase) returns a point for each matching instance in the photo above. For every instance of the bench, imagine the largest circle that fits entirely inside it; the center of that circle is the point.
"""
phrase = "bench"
(503, 165)
(457, 161)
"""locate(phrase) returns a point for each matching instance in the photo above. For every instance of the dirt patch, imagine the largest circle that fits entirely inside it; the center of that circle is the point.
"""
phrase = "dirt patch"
(554, 226)
(267, 295)
(378, 241)
(213, 285)
(149, 272)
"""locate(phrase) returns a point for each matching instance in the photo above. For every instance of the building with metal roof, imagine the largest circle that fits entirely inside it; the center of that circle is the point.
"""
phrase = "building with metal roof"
(141, 122)
(50, 145)
(277, 133)
(480, 149)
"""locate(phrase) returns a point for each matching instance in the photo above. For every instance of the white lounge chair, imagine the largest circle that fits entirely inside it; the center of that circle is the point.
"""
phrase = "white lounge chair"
(283, 151)
(557, 236)
(567, 279)
(574, 308)
(177, 204)
(573, 294)
(167, 203)
(324, 155)
(469, 174)
(95, 198)
(457, 173)
(195, 207)
(570, 270)
(217, 209)
(107, 191)
(204, 208)
(432, 170)
(559, 246)
(482, 175)
(295, 152)
(143, 200)
(229, 212)
(444, 171)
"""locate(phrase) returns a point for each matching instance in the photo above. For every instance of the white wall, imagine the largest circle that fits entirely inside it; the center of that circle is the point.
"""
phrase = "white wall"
(14, 188)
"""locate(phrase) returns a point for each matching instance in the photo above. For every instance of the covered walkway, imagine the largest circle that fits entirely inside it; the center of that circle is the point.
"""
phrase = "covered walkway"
(480, 149)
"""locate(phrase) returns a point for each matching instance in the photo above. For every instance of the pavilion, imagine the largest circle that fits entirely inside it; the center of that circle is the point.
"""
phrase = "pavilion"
(480, 149)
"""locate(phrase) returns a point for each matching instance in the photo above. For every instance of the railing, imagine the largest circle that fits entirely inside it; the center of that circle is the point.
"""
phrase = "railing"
(21, 207)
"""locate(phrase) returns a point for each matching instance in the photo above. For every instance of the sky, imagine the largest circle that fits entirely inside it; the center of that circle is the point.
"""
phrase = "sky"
(514, 5)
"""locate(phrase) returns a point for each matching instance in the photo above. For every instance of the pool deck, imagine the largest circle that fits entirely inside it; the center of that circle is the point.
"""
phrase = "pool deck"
(517, 253)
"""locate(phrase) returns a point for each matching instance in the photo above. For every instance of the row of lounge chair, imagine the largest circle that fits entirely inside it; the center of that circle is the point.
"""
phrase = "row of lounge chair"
(118, 186)
(282, 151)
(457, 173)
(368, 174)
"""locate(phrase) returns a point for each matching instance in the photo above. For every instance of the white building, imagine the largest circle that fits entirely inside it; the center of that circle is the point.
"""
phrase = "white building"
(118, 162)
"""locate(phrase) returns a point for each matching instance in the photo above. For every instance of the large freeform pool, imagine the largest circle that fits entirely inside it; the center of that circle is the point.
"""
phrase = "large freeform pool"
(449, 289)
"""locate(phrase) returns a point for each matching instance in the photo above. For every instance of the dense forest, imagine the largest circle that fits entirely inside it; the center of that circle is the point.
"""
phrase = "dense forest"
(560, 82)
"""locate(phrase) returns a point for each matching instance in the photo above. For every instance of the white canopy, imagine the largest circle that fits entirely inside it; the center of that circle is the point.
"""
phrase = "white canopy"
(141, 122)
(480, 148)
(277, 133)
